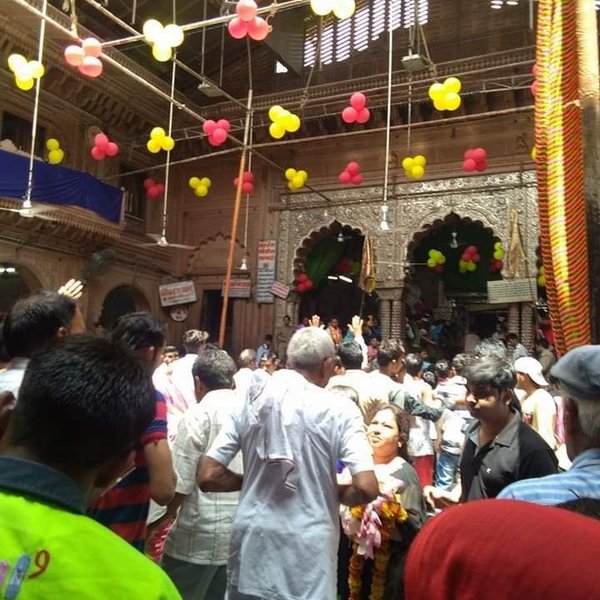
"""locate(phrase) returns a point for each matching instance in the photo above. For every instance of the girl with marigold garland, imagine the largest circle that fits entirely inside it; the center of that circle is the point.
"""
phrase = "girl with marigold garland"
(397, 515)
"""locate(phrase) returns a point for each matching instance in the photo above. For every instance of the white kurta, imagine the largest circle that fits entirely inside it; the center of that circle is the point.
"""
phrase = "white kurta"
(284, 541)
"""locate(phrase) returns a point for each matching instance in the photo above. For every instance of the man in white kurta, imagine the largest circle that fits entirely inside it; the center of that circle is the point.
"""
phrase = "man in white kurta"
(291, 433)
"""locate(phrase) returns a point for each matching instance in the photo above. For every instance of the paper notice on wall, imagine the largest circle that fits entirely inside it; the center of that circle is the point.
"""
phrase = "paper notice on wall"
(182, 292)
(280, 290)
(265, 273)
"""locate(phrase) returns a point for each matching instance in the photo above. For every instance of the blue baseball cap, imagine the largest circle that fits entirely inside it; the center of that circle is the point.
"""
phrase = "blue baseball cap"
(579, 371)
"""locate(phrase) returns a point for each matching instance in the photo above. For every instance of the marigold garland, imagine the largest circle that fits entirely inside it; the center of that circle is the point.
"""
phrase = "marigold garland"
(370, 527)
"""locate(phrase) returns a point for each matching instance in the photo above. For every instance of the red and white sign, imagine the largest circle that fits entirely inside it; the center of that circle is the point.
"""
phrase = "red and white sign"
(182, 292)
(280, 290)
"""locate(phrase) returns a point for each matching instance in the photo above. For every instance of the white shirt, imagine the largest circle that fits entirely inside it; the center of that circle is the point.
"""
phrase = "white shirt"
(284, 542)
(11, 378)
(183, 379)
(419, 440)
(368, 386)
(202, 531)
(242, 379)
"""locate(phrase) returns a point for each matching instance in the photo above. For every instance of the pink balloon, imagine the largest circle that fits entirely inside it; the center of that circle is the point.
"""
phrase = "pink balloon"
(97, 153)
(101, 141)
(344, 177)
(534, 88)
(482, 165)
(224, 124)
(74, 55)
(112, 149)
(469, 153)
(357, 179)
(258, 29)
(469, 165)
(353, 168)
(349, 114)
(476, 258)
(358, 101)
(363, 115)
(235, 181)
(471, 250)
(247, 187)
(209, 126)
(479, 154)
(217, 137)
(237, 28)
(148, 183)
(160, 187)
(308, 285)
(246, 10)
(248, 177)
(535, 70)
(91, 47)
(153, 193)
(91, 66)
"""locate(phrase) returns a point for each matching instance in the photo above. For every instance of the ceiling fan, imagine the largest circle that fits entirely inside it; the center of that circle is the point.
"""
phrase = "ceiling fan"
(29, 211)
(161, 242)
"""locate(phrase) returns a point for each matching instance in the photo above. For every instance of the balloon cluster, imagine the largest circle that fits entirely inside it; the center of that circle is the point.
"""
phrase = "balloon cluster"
(496, 264)
(247, 22)
(163, 39)
(303, 283)
(351, 174)
(86, 57)
(25, 71)
(436, 261)
(55, 153)
(282, 120)
(247, 182)
(103, 147)
(475, 160)
(357, 112)
(342, 9)
(414, 167)
(535, 71)
(541, 277)
(469, 259)
(216, 131)
(445, 95)
(153, 189)
(200, 185)
(159, 140)
(296, 179)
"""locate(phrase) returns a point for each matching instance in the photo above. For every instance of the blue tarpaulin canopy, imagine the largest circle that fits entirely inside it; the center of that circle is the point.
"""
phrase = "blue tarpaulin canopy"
(58, 185)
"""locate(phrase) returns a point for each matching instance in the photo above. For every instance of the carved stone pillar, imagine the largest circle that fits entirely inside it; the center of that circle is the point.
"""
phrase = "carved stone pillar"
(398, 331)
(512, 324)
(385, 317)
(526, 329)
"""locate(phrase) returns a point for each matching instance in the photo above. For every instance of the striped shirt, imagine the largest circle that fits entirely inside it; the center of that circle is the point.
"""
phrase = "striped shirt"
(582, 480)
(124, 508)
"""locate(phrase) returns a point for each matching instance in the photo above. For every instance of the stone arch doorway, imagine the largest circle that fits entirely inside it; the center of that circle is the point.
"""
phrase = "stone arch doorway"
(16, 281)
(122, 300)
(330, 257)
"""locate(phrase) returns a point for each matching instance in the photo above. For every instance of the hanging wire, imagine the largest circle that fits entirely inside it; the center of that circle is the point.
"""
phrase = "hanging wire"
(304, 95)
(168, 161)
(203, 44)
(250, 140)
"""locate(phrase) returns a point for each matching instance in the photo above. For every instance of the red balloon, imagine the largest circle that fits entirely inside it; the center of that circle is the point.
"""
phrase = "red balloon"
(471, 249)
(224, 124)
(534, 88)
(344, 177)
(482, 165)
(301, 288)
(363, 115)
(258, 29)
(439, 268)
(160, 187)
(101, 141)
(112, 149)
(246, 9)
(97, 153)
(476, 258)
(153, 193)
(353, 168)
(248, 177)
(217, 137)
(469, 165)
(479, 154)
(237, 28)
(469, 154)
(247, 187)
(349, 114)
(358, 101)
(148, 183)
(357, 179)
(209, 126)
(302, 277)
(499, 265)
(308, 285)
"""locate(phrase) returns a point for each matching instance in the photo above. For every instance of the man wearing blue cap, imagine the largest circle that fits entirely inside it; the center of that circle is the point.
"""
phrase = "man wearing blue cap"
(578, 375)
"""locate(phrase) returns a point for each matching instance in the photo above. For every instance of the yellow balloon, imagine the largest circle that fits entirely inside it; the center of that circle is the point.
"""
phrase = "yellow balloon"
(343, 9)
(153, 30)
(173, 35)
(419, 160)
(534, 154)
(440, 103)
(291, 186)
(194, 182)
(206, 182)
(292, 123)
(201, 191)
(408, 163)
(453, 84)
(153, 146)
(417, 172)
(37, 69)
(55, 156)
(298, 181)
(442, 259)
(52, 144)
(16, 62)
(276, 131)
(471, 266)
(303, 174)
(274, 112)
(282, 116)
(321, 7)
(436, 90)
(290, 173)
(167, 143)
(24, 84)
(541, 281)
(161, 52)
(452, 101)
(158, 133)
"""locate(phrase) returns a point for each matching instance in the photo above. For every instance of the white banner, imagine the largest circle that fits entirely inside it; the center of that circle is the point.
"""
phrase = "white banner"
(181, 292)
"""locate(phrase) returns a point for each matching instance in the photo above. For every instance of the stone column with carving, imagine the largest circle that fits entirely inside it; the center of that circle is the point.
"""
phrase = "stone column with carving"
(398, 330)
(512, 322)
(526, 328)
(385, 317)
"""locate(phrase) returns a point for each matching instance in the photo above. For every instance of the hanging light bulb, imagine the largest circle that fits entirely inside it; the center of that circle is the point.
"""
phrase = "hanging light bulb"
(454, 241)
(244, 265)
(340, 237)
(384, 226)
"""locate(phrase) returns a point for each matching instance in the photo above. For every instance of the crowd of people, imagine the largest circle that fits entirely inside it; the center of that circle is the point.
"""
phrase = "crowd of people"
(337, 467)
